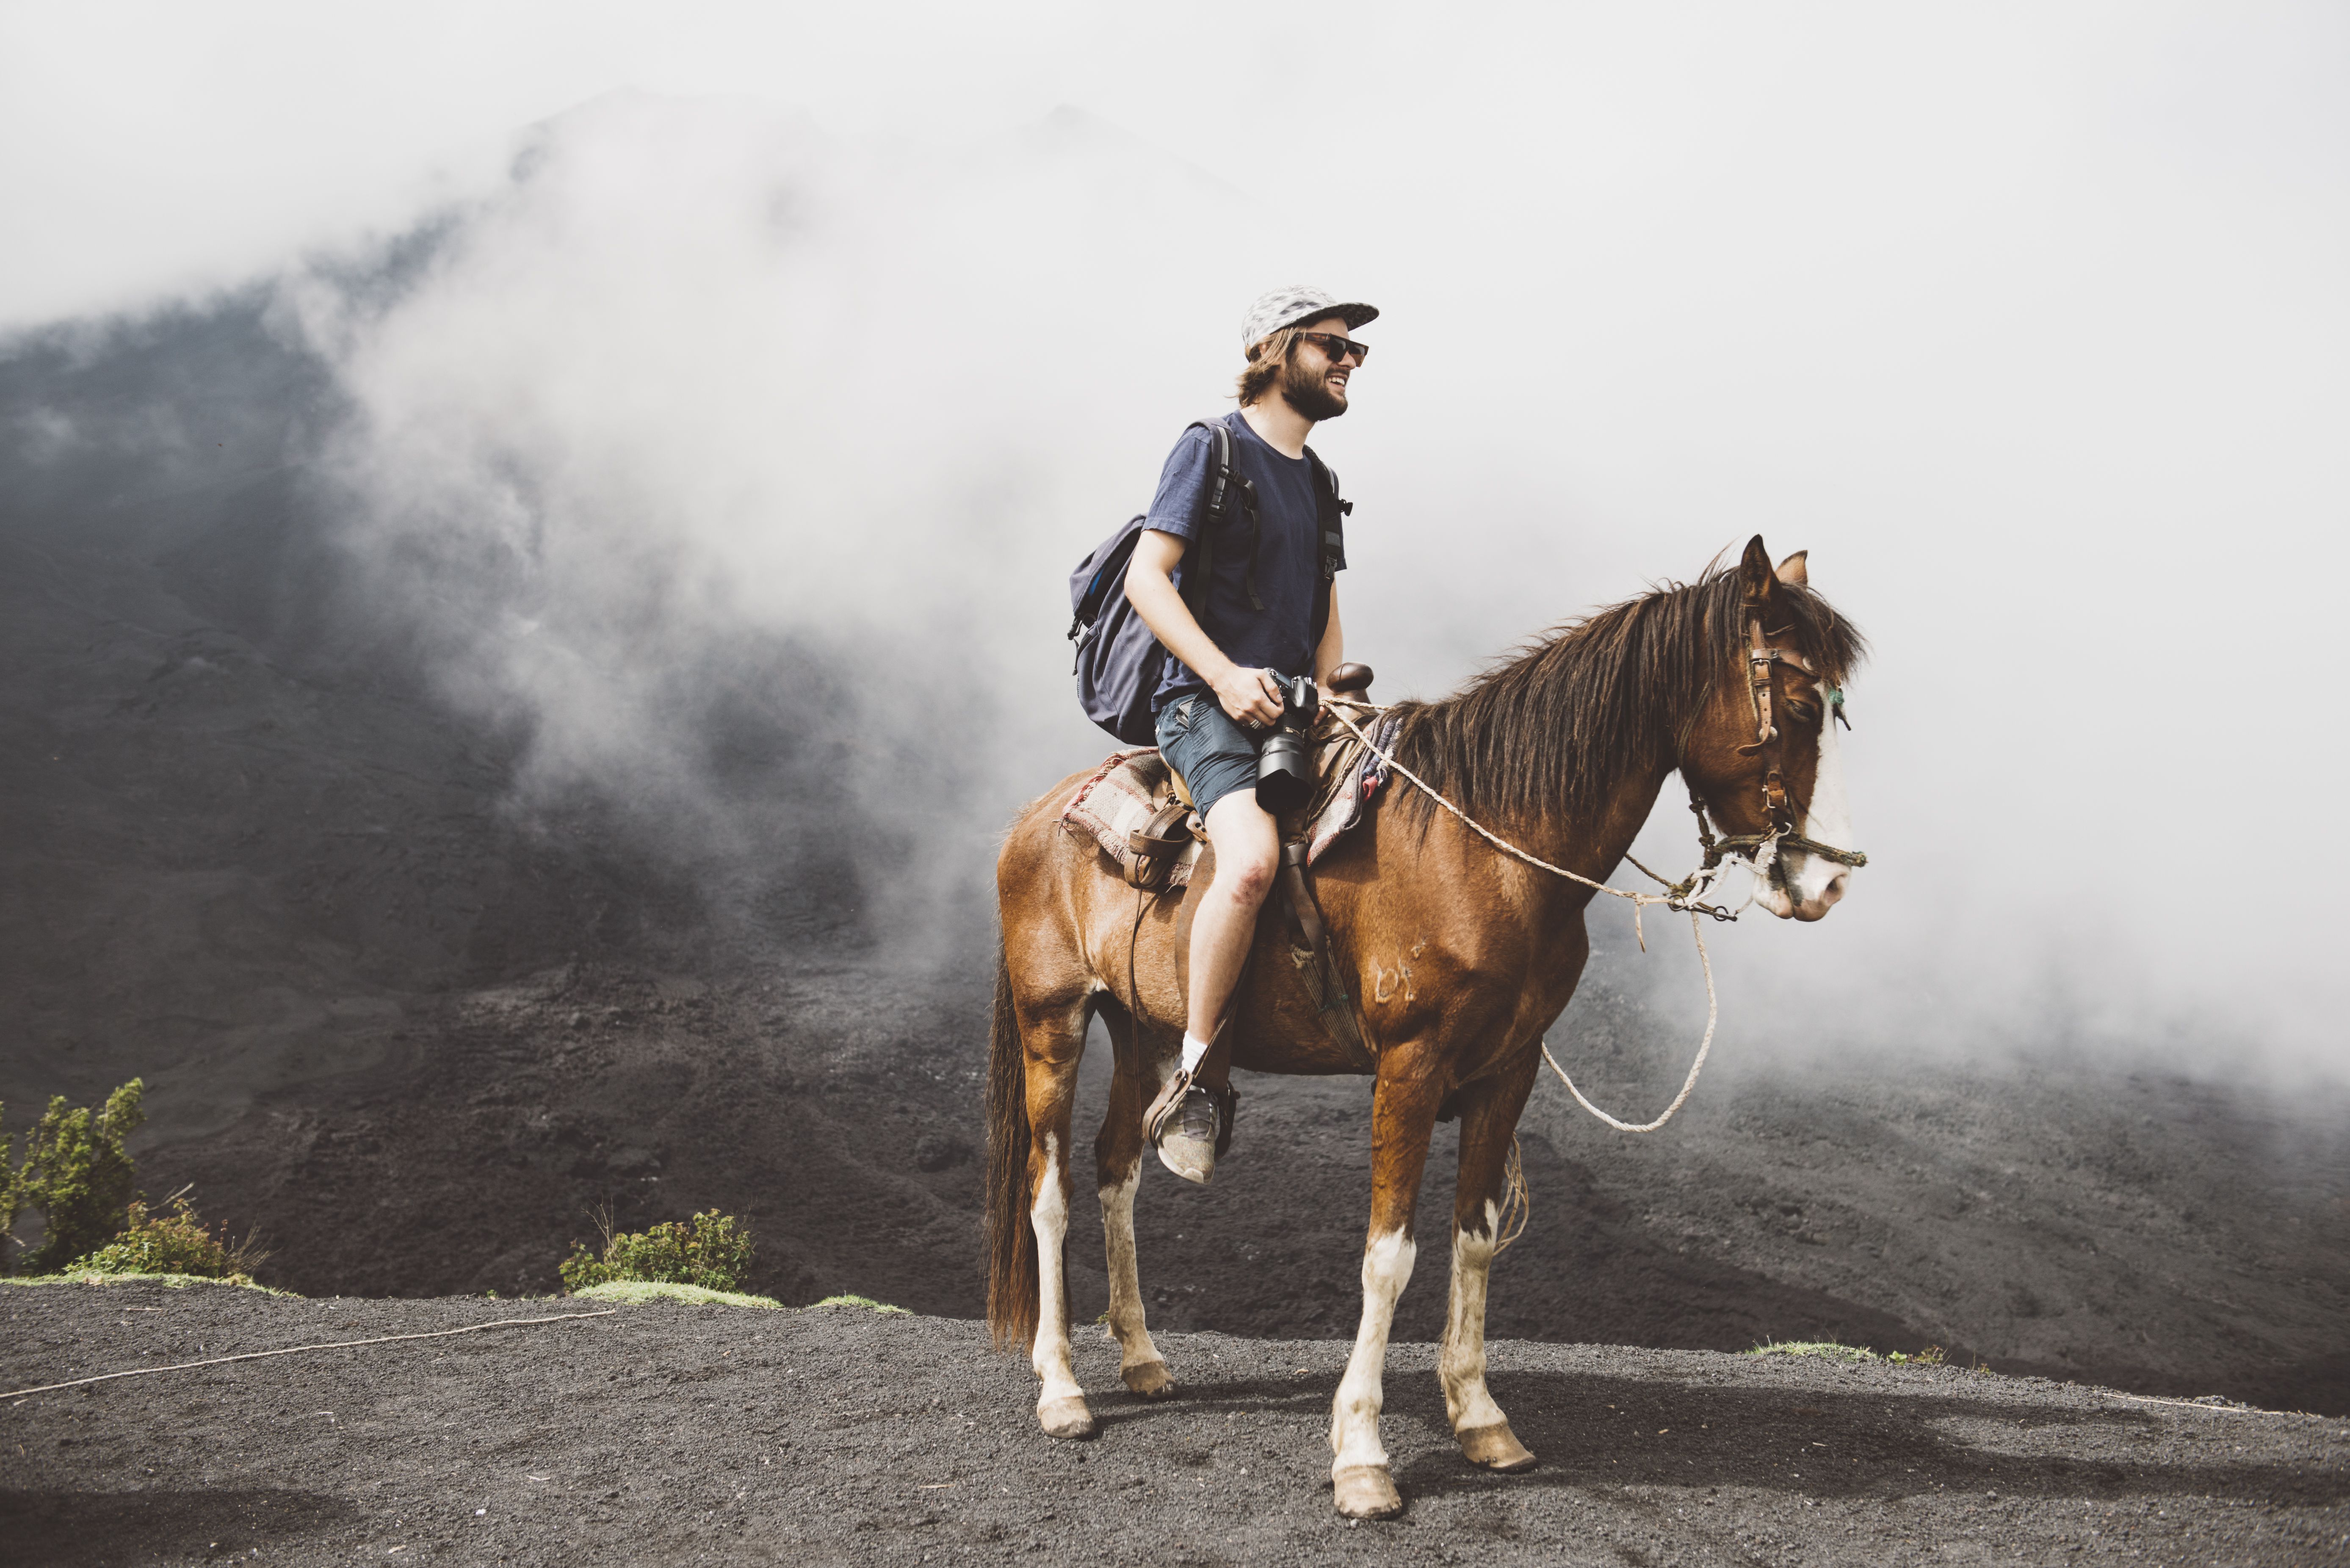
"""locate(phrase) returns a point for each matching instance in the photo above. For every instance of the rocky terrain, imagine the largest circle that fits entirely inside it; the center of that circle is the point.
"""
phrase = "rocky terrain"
(671, 1434)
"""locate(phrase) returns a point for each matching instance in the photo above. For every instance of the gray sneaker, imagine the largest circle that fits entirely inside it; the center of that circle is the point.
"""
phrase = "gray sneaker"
(1187, 1144)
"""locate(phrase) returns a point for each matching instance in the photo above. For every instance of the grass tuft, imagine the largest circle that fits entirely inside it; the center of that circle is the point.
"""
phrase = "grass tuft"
(176, 1282)
(868, 1303)
(1826, 1349)
(635, 1293)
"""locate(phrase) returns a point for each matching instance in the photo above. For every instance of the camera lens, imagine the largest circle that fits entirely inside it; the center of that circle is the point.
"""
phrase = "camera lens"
(1284, 768)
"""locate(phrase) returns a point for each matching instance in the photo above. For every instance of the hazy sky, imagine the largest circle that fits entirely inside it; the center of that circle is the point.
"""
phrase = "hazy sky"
(2030, 322)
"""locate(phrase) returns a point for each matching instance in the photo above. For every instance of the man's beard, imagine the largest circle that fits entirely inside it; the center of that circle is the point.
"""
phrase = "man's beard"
(1307, 392)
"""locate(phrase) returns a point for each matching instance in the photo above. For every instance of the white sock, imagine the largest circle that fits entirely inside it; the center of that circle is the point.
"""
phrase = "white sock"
(1194, 1050)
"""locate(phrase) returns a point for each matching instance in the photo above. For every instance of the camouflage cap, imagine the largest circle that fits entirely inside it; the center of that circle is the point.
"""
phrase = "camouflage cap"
(1298, 302)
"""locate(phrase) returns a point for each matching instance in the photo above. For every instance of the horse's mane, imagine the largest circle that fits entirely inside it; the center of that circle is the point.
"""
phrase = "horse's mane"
(1552, 729)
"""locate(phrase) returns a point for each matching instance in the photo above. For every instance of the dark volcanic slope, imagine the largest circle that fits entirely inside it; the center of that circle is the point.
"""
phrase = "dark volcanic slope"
(245, 837)
(671, 1434)
(239, 835)
(2144, 1233)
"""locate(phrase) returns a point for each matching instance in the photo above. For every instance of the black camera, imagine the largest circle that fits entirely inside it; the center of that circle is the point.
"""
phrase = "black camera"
(1284, 765)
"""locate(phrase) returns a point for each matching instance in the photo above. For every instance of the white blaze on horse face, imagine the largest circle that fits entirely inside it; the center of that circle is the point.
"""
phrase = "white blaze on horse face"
(1462, 1366)
(1125, 1322)
(1818, 883)
(1050, 1216)
(1355, 1418)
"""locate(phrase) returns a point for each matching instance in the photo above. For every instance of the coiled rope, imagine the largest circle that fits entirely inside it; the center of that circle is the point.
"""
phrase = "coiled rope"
(1683, 895)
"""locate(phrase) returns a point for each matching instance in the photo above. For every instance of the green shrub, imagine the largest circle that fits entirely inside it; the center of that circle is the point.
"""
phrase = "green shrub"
(78, 1174)
(711, 1251)
(173, 1243)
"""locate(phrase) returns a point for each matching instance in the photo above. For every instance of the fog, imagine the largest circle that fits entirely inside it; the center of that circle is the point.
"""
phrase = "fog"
(719, 336)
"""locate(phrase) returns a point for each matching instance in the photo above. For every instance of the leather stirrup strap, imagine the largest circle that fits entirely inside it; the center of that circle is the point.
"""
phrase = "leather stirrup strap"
(1155, 844)
(1303, 913)
(1215, 1068)
(1203, 872)
(1337, 1003)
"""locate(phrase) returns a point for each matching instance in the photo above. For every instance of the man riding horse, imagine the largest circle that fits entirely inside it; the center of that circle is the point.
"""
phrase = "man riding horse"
(1267, 612)
(1451, 905)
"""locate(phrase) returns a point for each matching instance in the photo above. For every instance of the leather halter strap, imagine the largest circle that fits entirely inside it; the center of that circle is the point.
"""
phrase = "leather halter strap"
(1761, 659)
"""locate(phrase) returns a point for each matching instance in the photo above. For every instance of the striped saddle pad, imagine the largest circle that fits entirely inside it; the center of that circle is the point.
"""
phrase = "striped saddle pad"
(1121, 796)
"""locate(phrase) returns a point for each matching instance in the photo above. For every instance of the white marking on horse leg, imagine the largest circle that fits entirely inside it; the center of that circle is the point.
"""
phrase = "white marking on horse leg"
(1125, 1322)
(1355, 1418)
(1462, 1365)
(1819, 883)
(1050, 1216)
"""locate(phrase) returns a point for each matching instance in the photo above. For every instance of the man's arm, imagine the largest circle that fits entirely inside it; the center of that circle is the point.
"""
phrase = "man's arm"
(1150, 589)
(1333, 651)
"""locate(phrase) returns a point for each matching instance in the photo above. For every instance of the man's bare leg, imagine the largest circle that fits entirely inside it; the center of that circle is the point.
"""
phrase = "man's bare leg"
(1248, 850)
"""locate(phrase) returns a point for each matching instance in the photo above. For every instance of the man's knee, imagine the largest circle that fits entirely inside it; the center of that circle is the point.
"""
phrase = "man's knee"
(1248, 849)
(1248, 877)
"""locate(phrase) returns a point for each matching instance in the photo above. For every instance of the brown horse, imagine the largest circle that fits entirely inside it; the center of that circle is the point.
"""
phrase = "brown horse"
(1460, 957)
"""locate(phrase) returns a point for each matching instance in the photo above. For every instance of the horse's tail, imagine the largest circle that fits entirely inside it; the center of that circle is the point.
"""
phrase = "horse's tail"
(1011, 1274)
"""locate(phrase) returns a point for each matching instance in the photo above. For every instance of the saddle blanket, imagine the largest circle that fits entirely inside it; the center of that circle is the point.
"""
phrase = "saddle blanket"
(1122, 795)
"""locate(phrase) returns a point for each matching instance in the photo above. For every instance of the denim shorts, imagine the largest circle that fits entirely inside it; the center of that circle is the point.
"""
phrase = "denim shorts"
(1201, 742)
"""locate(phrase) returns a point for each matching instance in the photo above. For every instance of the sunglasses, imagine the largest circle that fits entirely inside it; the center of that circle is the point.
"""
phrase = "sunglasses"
(1338, 347)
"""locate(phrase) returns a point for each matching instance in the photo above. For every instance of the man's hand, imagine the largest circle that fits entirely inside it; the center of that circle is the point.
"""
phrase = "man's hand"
(1251, 697)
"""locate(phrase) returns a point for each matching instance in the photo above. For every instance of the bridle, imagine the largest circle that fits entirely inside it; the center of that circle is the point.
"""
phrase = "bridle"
(1758, 850)
(1761, 661)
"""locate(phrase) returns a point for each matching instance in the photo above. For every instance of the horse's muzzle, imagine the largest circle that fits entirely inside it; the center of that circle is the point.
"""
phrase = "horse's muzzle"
(1820, 903)
(1787, 900)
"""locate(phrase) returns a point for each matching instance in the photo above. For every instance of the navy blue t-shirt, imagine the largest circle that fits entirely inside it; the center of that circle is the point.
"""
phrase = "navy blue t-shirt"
(1288, 557)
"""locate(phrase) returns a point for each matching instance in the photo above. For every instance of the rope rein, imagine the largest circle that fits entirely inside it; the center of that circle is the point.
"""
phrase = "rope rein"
(1683, 895)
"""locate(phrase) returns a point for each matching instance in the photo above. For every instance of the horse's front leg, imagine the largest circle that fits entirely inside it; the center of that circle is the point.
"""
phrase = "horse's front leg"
(1489, 1124)
(1403, 1115)
(1053, 1047)
(1117, 1170)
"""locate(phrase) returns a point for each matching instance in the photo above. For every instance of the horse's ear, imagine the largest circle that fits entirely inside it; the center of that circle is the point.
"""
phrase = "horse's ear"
(1793, 573)
(1754, 574)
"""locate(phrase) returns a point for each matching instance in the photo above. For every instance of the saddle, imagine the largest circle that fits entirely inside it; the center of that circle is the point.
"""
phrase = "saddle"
(1138, 811)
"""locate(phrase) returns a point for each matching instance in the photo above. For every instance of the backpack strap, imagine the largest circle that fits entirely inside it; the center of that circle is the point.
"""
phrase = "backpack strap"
(1334, 509)
(1228, 491)
(1219, 466)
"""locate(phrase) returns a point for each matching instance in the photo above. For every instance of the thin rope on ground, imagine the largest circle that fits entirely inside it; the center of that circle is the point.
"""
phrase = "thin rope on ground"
(1698, 883)
(2198, 1405)
(296, 1349)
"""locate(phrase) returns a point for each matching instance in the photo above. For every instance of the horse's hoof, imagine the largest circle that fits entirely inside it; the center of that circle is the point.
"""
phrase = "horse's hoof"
(1366, 1492)
(1149, 1378)
(1495, 1447)
(1066, 1417)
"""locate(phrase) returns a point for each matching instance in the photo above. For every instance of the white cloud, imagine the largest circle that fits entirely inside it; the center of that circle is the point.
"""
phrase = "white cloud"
(2028, 323)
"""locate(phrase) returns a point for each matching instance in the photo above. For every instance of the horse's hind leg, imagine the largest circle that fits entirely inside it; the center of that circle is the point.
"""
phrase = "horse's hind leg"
(1489, 1122)
(1117, 1166)
(1053, 1047)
